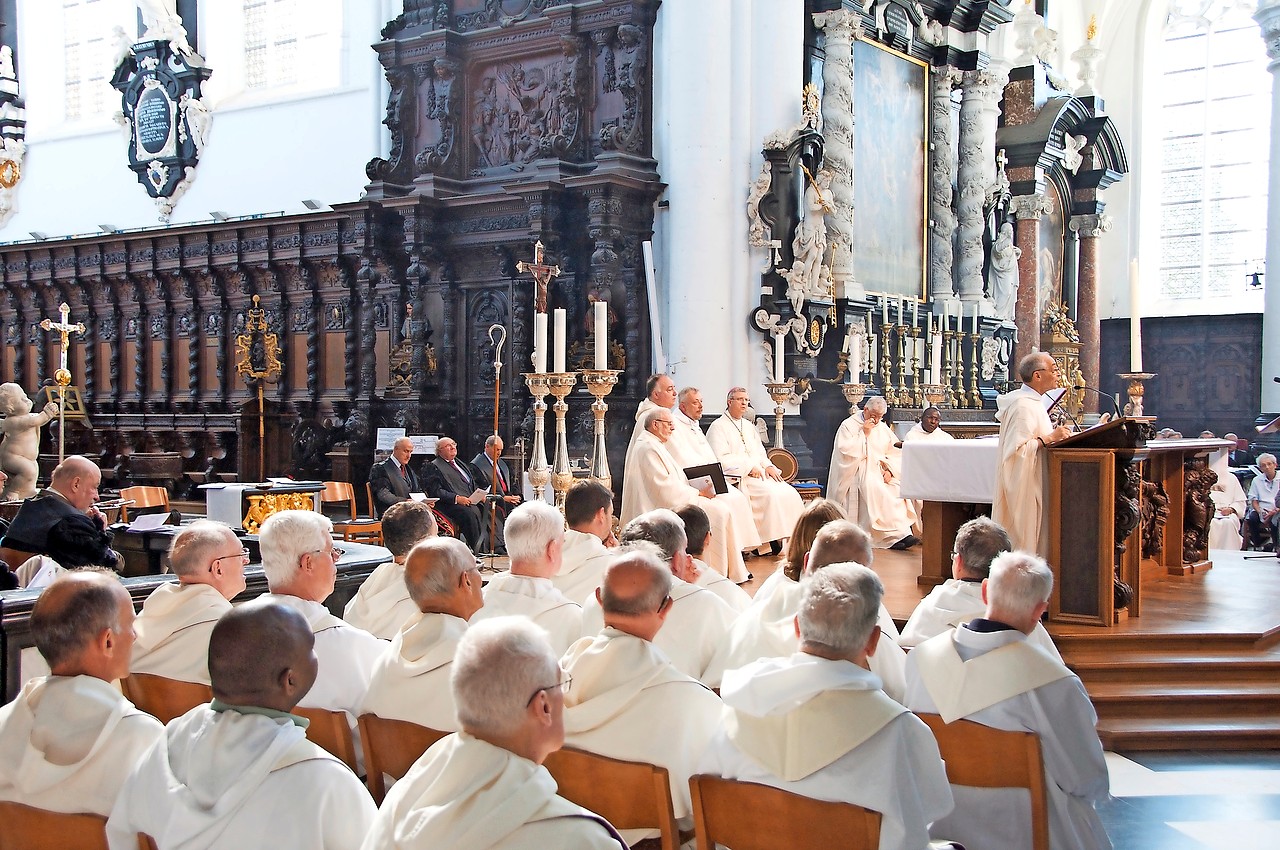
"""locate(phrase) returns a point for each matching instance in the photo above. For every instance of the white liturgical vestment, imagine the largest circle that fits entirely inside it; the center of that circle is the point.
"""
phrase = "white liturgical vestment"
(382, 604)
(856, 482)
(776, 504)
(654, 480)
(1020, 475)
(68, 742)
(1224, 529)
(689, 447)
(733, 595)
(696, 624)
(236, 778)
(467, 794)
(173, 631)
(582, 562)
(823, 729)
(917, 432)
(627, 702)
(999, 680)
(411, 680)
(951, 604)
(537, 599)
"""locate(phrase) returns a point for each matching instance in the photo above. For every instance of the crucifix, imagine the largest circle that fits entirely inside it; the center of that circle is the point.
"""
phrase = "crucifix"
(62, 377)
(542, 276)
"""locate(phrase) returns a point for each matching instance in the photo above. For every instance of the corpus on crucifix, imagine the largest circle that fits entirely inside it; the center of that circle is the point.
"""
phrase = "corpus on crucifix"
(62, 377)
(543, 274)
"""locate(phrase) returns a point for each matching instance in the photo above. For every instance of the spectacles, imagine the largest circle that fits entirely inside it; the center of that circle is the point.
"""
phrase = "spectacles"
(335, 553)
(244, 556)
(565, 681)
(666, 600)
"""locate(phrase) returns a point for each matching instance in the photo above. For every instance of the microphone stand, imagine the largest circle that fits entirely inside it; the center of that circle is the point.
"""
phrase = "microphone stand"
(1114, 404)
(501, 333)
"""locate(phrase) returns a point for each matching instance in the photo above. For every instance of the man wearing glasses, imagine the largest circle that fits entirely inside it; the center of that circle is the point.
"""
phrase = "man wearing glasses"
(1025, 427)
(176, 620)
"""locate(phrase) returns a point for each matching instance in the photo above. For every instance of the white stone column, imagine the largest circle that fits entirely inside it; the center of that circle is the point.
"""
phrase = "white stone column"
(979, 109)
(1268, 17)
(837, 129)
(942, 220)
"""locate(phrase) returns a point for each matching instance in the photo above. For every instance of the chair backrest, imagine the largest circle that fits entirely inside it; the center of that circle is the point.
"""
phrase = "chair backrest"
(329, 730)
(628, 794)
(143, 496)
(982, 757)
(164, 699)
(390, 748)
(339, 491)
(747, 816)
(374, 510)
(27, 828)
(146, 842)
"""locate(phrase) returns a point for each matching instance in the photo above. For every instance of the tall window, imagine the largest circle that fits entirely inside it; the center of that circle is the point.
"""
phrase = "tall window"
(1215, 124)
(86, 56)
(270, 43)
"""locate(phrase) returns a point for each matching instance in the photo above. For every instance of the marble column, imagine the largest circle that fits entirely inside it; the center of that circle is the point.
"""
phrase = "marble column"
(839, 27)
(1089, 228)
(942, 174)
(979, 109)
(1268, 18)
(1027, 210)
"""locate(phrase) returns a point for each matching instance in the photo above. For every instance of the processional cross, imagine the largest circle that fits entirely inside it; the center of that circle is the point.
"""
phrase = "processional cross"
(542, 273)
(62, 377)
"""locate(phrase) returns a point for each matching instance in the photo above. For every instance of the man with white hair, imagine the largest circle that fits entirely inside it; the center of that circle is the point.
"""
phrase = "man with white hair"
(61, 521)
(176, 620)
(659, 392)
(733, 437)
(589, 543)
(1264, 507)
(654, 480)
(816, 723)
(535, 538)
(627, 701)
(391, 481)
(986, 671)
(382, 604)
(485, 786)
(411, 680)
(452, 482)
(698, 620)
(68, 740)
(864, 479)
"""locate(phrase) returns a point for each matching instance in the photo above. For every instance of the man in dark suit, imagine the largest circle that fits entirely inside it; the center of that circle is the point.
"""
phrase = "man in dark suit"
(61, 521)
(452, 480)
(392, 480)
(1239, 457)
(507, 491)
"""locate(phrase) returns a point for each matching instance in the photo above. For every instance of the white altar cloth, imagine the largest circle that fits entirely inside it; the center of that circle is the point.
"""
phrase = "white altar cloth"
(954, 471)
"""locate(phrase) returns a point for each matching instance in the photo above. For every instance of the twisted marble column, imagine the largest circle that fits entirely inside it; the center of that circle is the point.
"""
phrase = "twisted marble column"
(1268, 18)
(1089, 228)
(942, 174)
(837, 128)
(979, 108)
(1027, 210)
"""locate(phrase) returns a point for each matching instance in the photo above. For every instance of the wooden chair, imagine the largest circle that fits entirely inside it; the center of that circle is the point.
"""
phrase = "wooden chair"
(747, 816)
(164, 699)
(354, 529)
(330, 731)
(982, 757)
(144, 497)
(628, 794)
(27, 828)
(390, 749)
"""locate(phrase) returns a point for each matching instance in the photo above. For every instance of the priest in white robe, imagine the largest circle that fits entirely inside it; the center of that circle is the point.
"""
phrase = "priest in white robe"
(929, 428)
(659, 392)
(654, 480)
(817, 724)
(176, 619)
(485, 787)
(736, 442)
(1229, 506)
(958, 600)
(535, 538)
(588, 541)
(697, 531)
(1024, 429)
(864, 478)
(411, 680)
(240, 772)
(381, 604)
(627, 701)
(987, 672)
(698, 620)
(68, 740)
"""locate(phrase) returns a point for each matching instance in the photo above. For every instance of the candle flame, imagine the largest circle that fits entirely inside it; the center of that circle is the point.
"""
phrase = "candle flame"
(1092, 32)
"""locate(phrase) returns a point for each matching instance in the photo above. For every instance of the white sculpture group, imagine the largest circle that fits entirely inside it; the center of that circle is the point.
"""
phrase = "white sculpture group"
(21, 443)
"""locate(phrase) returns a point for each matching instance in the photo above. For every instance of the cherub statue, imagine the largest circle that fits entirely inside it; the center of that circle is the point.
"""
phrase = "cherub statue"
(21, 443)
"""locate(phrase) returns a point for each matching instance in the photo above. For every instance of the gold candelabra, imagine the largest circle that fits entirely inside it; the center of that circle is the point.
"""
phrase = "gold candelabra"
(600, 383)
(780, 393)
(917, 396)
(886, 361)
(1136, 390)
(539, 469)
(975, 355)
(853, 393)
(561, 384)
(901, 396)
(950, 374)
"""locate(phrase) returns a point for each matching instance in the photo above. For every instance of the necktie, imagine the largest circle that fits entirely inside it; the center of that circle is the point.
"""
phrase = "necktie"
(404, 473)
(465, 477)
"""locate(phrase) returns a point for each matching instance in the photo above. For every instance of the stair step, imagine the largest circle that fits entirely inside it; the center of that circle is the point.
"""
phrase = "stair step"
(1212, 733)
(1188, 642)
(1132, 700)
(1174, 668)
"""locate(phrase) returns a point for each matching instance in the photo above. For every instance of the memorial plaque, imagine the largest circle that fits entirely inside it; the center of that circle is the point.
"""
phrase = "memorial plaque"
(897, 21)
(154, 121)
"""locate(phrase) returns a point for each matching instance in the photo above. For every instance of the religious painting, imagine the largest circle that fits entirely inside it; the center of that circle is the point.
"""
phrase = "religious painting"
(889, 166)
(1052, 241)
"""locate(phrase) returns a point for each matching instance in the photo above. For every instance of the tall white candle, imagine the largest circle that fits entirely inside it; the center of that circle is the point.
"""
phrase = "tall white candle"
(560, 331)
(778, 356)
(884, 310)
(915, 312)
(1135, 318)
(935, 360)
(539, 342)
(975, 317)
(602, 334)
(855, 362)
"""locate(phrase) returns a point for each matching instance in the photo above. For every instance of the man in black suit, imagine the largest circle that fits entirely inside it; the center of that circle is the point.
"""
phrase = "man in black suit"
(392, 480)
(61, 521)
(1239, 457)
(508, 491)
(452, 481)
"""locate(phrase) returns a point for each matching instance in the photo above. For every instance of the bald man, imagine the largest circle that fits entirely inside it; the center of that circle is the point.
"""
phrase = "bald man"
(392, 480)
(382, 604)
(69, 739)
(229, 773)
(60, 521)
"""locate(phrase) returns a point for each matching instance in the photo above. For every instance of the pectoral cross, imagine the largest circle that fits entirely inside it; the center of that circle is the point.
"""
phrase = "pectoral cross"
(542, 276)
(64, 328)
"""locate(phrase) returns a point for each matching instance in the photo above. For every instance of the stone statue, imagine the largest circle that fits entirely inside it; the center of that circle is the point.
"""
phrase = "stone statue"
(759, 233)
(810, 244)
(21, 443)
(1004, 272)
(1071, 147)
(163, 23)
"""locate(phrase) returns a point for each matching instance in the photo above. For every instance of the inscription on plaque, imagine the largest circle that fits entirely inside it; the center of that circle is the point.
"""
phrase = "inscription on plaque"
(896, 20)
(154, 117)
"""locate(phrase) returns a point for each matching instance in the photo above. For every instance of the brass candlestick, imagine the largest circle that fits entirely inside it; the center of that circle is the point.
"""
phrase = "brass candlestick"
(935, 393)
(600, 383)
(853, 393)
(950, 376)
(539, 469)
(561, 384)
(1135, 391)
(900, 395)
(917, 379)
(886, 361)
(780, 393)
(975, 395)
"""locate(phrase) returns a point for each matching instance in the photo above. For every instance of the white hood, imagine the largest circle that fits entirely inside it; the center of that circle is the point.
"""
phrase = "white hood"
(774, 686)
(609, 672)
(173, 607)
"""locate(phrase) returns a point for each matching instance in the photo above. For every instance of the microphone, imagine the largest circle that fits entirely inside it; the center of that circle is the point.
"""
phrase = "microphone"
(1114, 404)
(1276, 379)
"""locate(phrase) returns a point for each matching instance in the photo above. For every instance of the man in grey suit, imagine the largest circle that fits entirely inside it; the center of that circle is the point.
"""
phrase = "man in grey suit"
(452, 480)
(507, 490)
(392, 480)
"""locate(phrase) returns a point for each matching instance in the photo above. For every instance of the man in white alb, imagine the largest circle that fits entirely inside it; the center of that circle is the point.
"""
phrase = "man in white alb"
(485, 787)
(986, 671)
(382, 603)
(1024, 428)
(1229, 507)
(697, 531)
(659, 392)
(864, 479)
(588, 541)
(627, 701)
(176, 620)
(929, 428)
(733, 437)
(817, 724)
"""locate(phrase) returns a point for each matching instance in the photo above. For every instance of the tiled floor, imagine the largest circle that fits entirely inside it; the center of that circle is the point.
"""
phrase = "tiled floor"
(1194, 801)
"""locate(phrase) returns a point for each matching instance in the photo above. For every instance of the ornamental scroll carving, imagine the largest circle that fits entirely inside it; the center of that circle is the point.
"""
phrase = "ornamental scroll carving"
(438, 103)
(625, 71)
